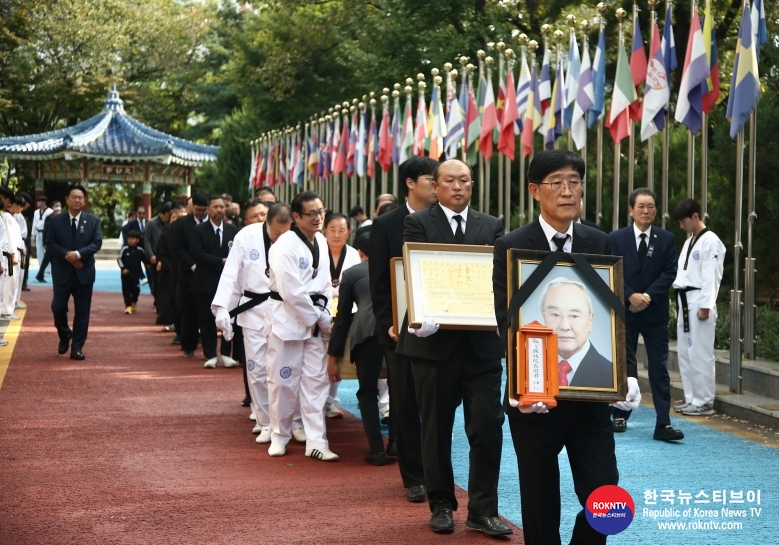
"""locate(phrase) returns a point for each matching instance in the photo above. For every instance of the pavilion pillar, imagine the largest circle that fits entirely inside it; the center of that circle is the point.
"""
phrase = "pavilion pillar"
(39, 190)
(146, 199)
(86, 197)
(138, 197)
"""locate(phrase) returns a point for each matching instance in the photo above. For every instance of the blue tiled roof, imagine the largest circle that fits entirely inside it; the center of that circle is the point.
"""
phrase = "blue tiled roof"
(111, 134)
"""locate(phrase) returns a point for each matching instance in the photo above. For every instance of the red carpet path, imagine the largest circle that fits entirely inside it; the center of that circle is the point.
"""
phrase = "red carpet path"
(137, 445)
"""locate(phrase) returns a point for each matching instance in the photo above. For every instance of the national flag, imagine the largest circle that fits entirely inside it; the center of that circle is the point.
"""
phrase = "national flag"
(500, 104)
(436, 124)
(623, 95)
(298, 168)
(271, 177)
(638, 67)
(253, 169)
(571, 80)
(584, 101)
(510, 115)
(455, 130)
(282, 162)
(335, 146)
(313, 155)
(350, 158)
(598, 81)
(711, 86)
(339, 164)
(263, 168)
(385, 143)
(407, 141)
(695, 72)
(395, 132)
(359, 163)
(373, 146)
(758, 25)
(545, 86)
(745, 85)
(657, 91)
(523, 90)
(554, 116)
(668, 48)
(489, 122)
(421, 127)
(450, 93)
(532, 114)
(473, 126)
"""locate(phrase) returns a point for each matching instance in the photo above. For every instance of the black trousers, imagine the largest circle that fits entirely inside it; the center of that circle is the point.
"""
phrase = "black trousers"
(656, 341)
(82, 303)
(163, 298)
(43, 264)
(404, 418)
(207, 324)
(130, 289)
(368, 357)
(440, 386)
(189, 322)
(585, 430)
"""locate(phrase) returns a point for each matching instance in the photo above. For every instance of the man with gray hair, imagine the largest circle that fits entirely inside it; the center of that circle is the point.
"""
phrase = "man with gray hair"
(567, 309)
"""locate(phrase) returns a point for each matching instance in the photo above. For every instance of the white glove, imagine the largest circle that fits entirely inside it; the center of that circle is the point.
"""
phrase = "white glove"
(428, 328)
(539, 407)
(325, 323)
(633, 398)
(223, 322)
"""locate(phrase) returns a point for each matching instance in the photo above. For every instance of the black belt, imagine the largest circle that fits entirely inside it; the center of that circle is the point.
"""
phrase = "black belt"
(681, 294)
(10, 265)
(316, 298)
(255, 299)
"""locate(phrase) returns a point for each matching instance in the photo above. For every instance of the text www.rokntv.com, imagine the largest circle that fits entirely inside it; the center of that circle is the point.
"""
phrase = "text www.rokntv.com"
(701, 525)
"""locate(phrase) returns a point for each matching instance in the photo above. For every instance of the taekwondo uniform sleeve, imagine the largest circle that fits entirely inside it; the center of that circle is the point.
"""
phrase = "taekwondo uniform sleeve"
(229, 291)
(712, 265)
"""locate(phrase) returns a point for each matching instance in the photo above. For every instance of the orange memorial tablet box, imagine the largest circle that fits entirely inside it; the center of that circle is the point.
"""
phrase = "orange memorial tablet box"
(536, 372)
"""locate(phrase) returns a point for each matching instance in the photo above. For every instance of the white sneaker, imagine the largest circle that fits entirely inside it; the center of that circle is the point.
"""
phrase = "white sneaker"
(264, 437)
(256, 429)
(324, 454)
(210, 363)
(252, 417)
(228, 362)
(333, 411)
(299, 434)
(3, 342)
(21, 306)
(276, 450)
(9, 317)
(681, 407)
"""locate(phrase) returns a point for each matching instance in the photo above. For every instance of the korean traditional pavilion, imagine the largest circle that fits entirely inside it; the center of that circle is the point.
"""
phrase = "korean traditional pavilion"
(110, 147)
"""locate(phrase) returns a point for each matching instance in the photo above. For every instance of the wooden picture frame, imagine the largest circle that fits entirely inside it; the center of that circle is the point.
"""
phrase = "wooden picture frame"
(606, 335)
(398, 283)
(450, 283)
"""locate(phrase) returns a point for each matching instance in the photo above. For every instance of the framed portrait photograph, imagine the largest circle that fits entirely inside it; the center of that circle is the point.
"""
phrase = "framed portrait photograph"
(590, 334)
(451, 284)
(398, 283)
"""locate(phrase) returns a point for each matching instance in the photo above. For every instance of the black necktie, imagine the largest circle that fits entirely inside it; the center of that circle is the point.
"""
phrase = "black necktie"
(459, 236)
(560, 241)
(73, 228)
(218, 236)
(143, 226)
(642, 249)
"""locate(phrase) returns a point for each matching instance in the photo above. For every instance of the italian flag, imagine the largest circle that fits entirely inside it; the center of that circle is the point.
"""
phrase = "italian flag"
(623, 96)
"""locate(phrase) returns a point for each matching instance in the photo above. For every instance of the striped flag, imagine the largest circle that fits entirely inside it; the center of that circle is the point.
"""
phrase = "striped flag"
(545, 86)
(473, 126)
(385, 142)
(436, 124)
(745, 85)
(571, 80)
(554, 115)
(359, 163)
(711, 86)
(695, 72)
(421, 128)
(455, 130)
(253, 171)
(339, 165)
(584, 101)
(758, 25)
(657, 91)
(353, 133)
(263, 168)
(638, 67)
(489, 122)
(622, 97)
(532, 114)
(298, 164)
(523, 90)
(335, 146)
(372, 145)
(668, 48)
(313, 156)
(510, 116)
(598, 81)
(271, 176)
(407, 142)
(395, 132)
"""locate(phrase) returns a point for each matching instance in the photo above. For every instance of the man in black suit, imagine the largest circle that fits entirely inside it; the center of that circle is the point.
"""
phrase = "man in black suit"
(209, 245)
(386, 243)
(72, 240)
(583, 428)
(180, 234)
(451, 366)
(649, 257)
(566, 307)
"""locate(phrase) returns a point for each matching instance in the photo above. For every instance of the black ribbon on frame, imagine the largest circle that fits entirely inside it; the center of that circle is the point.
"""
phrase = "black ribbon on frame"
(543, 270)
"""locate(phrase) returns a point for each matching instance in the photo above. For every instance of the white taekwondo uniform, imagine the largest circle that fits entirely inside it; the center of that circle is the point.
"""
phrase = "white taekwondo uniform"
(38, 221)
(23, 233)
(14, 244)
(699, 273)
(296, 361)
(3, 259)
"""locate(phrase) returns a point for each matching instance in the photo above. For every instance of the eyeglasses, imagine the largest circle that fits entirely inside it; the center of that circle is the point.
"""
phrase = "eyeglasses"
(314, 214)
(573, 185)
(553, 317)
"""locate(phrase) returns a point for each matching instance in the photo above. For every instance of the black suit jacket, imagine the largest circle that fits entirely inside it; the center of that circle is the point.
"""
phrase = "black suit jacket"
(586, 240)
(655, 277)
(386, 243)
(431, 225)
(59, 241)
(354, 288)
(178, 239)
(207, 254)
(135, 225)
(594, 371)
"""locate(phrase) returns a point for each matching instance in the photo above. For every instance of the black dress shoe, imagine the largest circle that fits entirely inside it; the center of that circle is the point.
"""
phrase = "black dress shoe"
(76, 354)
(492, 526)
(63, 346)
(175, 340)
(376, 458)
(189, 354)
(667, 433)
(247, 401)
(416, 494)
(392, 448)
(25, 288)
(620, 425)
(442, 522)
(40, 279)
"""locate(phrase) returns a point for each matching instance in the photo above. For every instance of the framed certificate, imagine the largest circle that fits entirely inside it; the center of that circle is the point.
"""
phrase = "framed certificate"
(398, 282)
(452, 284)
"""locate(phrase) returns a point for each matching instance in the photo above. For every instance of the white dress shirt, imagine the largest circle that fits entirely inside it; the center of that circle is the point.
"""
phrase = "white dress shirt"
(220, 227)
(638, 232)
(550, 233)
(450, 214)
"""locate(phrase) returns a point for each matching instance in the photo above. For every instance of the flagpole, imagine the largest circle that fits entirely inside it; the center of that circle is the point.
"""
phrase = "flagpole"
(632, 135)
(384, 104)
(735, 293)
(532, 47)
(395, 145)
(749, 271)
(373, 178)
(523, 40)
(507, 180)
(482, 180)
(559, 35)
(571, 19)
(585, 25)
(488, 61)
(621, 13)
(362, 182)
(466, 69)
(599, 137)
(500, 46)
